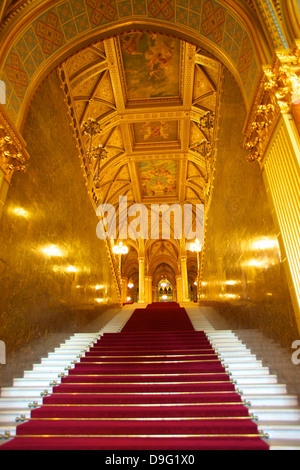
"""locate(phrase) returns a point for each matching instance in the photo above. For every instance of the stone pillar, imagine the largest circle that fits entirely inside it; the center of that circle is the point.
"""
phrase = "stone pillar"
(185, 284)
(141, 280)
(179, 288)
(154, 294)
(148, 289)
(124, 282)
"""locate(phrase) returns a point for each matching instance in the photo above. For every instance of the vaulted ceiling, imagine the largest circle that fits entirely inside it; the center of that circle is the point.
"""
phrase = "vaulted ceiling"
(148, 93)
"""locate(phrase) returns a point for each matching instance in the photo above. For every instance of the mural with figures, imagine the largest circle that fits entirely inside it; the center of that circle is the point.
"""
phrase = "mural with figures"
(158, 178)
(156, 131)
(152, 64)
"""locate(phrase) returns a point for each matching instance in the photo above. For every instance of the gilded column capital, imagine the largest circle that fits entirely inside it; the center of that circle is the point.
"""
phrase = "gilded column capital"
(279, 86)
(13, 155)
(283, 77)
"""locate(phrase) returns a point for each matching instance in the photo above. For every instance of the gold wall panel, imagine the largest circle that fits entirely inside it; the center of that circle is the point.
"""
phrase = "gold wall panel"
(242, 266)
(49, 205)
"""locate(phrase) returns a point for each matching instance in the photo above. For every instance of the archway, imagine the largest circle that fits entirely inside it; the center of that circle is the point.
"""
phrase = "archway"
(230, 32)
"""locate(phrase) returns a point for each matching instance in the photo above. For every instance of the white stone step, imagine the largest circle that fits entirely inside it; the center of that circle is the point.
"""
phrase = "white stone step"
(223, 342)
(281, 431)
(59, 359)
(21, 392)
(15, 402)
(33, 382)
(242, 372)
(258, 380)
(49, 368)
(238, 358)
(11, 428)
(269, 401)
(265, 389)
(276, 414)
(283, 445)
(10, 415)
(236, 367)
(32, 374)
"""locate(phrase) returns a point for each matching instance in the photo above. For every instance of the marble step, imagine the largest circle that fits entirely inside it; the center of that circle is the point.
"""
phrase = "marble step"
(270, 401)
(283, 430)
(35, 391)
(283, 445)
(276, 414)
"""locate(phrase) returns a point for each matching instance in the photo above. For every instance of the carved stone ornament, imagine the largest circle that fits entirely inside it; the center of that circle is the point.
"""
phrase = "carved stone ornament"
(13, 155)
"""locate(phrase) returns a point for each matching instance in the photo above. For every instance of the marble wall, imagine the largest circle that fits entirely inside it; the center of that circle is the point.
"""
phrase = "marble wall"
(49, 205)
(243, 275)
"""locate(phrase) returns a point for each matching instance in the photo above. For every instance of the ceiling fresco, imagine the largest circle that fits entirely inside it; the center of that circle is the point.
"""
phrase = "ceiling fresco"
(151, 66)
(158, 179)
(156, 132)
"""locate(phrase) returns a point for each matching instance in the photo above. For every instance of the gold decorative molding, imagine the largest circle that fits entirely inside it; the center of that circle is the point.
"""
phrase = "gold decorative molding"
(13, 155)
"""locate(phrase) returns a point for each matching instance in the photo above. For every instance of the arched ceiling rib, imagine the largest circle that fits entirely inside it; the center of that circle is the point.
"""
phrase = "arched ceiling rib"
(147, 91)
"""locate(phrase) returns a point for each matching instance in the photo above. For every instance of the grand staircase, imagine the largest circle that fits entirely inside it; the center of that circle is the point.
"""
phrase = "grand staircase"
(159, 377)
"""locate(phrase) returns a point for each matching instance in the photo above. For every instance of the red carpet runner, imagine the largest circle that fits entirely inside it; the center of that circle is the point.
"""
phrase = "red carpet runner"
(157, 385)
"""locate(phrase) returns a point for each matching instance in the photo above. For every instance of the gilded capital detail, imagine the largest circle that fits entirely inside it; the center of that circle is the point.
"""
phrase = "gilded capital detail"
(13, 155)
(277, 90)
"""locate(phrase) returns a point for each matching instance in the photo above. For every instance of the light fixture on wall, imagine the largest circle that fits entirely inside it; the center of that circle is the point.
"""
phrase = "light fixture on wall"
(196, 247)
(52, 250)
(130, 284)
(120, 250)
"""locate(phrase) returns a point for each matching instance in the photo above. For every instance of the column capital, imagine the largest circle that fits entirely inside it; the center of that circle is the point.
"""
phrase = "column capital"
(13, 155)
(277, 90)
